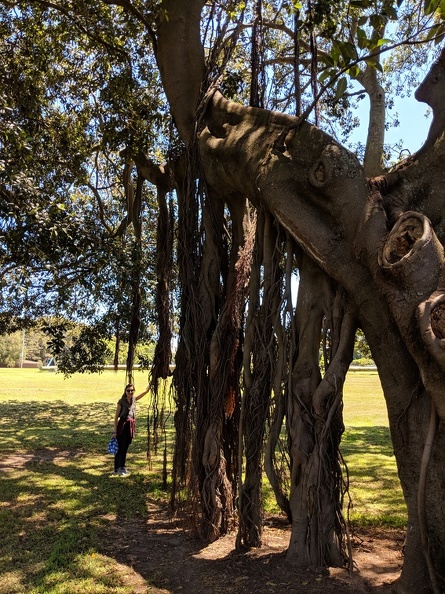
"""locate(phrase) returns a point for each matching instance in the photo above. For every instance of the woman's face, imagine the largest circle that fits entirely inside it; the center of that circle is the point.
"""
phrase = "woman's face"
(129, 391)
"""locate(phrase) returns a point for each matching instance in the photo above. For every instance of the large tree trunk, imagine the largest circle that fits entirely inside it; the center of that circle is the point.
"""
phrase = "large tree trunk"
(319, 193)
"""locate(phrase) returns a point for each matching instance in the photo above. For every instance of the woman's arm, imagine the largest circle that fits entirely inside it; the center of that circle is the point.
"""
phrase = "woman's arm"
(139, 396)
(116, 417)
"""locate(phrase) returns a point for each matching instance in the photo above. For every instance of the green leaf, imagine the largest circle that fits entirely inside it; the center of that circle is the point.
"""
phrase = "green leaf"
(435, 30)
(377, 21)
(381, 42)
(335, 52)
(374, 64)
(327, 59)
(348, 51)
(390, 12)
(328, 73)
(429, 6)
(354, 71)
(341, 87)
(362, 38)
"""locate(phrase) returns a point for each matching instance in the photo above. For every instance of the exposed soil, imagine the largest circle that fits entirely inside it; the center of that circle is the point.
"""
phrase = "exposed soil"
(165, 555)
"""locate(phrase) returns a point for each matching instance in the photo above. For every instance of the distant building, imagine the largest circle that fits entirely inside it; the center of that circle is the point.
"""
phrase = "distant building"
(27, 364)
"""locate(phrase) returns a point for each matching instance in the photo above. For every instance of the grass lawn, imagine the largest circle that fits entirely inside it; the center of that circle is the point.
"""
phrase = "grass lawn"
(53, 508)
(366, 446)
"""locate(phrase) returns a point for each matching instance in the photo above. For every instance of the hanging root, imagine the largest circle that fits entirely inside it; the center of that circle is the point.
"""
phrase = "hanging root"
(421, 497)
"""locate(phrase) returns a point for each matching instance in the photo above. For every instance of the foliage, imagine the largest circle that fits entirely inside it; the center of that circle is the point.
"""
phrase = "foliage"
(30, 343)
(10, 349)
(81, 90)
(65, 248)
(363, 361)
(361, 347)
(71, 344)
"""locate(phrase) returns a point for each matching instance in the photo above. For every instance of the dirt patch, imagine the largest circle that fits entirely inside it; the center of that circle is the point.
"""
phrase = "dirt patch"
(167, 557)
(54, 455)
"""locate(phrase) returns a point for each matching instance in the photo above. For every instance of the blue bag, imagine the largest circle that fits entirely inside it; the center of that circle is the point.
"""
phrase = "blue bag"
(113, 446)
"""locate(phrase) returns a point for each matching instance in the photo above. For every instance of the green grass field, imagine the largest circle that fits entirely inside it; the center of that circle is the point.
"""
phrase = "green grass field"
(54, 508)
(376, 493)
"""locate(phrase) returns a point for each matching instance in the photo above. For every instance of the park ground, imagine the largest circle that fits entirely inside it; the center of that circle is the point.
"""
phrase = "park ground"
(181, 564)
(64, 518)
(157, 554)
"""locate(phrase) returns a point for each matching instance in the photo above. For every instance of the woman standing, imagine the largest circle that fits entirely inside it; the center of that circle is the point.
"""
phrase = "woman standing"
(124, 426)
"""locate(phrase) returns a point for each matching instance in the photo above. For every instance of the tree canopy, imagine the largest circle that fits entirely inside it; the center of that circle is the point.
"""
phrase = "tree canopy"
(184, 162)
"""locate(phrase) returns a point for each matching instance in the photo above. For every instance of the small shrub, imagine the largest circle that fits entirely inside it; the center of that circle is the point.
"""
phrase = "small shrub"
(363, 361)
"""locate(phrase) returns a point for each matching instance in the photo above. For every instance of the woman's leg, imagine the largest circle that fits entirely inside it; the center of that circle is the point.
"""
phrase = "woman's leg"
(123, 440)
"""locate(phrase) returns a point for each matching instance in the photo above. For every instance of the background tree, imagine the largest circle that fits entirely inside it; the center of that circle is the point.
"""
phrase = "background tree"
(10, 349)
(71, 238)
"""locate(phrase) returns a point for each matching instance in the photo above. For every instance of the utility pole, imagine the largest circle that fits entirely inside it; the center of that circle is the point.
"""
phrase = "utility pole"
(22, 354)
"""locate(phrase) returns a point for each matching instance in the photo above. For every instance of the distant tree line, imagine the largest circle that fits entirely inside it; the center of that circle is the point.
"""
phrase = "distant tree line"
(34, 345)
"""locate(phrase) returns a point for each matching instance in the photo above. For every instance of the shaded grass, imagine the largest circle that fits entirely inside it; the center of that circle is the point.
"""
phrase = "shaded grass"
(59, 497)
(52, 509)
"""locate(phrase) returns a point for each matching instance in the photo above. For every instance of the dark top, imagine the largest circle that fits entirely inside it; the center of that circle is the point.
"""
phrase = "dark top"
(128, 409)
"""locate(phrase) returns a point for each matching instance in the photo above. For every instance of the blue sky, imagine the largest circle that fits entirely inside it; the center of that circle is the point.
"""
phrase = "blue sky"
(413, 128)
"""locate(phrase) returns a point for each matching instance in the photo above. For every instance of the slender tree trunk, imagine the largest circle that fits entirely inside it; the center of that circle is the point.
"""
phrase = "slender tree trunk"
(180, 58)
(373, 161)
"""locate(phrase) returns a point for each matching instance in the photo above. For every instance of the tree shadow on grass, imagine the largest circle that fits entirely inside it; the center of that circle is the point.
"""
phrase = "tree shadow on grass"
(46, 424)
(67, 525)
(367, 439)
(374, 480)
(58, 493)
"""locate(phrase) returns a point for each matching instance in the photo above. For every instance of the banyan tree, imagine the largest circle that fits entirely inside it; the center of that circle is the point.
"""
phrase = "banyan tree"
(262, 198)
(369, 251)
